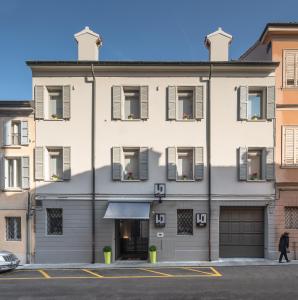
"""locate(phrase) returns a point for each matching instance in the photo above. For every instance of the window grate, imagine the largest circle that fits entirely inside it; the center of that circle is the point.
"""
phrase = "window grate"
(184, 221)
(54, 221)
(291, 217)
(13, 228)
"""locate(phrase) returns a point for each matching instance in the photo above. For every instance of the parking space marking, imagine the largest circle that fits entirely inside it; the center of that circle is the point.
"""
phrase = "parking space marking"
(198, 271)
(44, 274)
(156, 272)
(216, 272)
(92, 273)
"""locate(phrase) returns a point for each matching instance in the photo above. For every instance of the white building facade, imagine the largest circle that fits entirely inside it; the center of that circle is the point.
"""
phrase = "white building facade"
(107, 132)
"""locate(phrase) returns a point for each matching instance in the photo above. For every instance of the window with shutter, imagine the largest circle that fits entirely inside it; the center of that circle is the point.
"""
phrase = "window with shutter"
(291, 68)
(131, 170)
(290, 146)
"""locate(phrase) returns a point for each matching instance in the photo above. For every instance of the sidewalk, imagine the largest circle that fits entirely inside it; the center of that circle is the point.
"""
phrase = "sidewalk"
(141, 264)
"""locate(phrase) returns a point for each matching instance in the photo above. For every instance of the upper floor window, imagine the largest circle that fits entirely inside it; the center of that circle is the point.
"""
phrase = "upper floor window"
(130, 102)
(256, 164)
(16, 172)
(52, 102)
(290, 146)
(52, 163)
(13, 228)
(15, 132)
(185, 163)
(55, 107)
(185, 103)
(130, 163)
(256, 103)
(291, 68)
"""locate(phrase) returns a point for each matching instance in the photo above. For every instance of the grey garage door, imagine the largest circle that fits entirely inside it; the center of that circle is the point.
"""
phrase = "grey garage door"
(241, 232)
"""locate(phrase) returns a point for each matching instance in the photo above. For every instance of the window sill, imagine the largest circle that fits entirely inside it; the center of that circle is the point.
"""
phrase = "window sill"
(13, 240)
(289, 167)
(12, 190)
(289, 88)
(131, 180)
(256, 121)
(132, 120)
(188, 120)
(185, 180)
(257, 181)
(13, 146)
(54, 120)
(53, 180)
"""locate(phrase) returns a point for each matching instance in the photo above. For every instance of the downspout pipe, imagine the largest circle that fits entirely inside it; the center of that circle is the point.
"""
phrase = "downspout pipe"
(93, 132)
(208, 141)
(27, 228)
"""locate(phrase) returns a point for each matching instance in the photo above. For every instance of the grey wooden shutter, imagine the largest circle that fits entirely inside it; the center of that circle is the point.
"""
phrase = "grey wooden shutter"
(66, 101)
(143, 163)
(199, 102)
(199, 163)
(7, 133)
(242, 157)
(172, 166)
(66, 163)
(116, 99)
(270, 102)
(290, 60)
(39, 173)
(39, 101)
(2, 171)
(243, 98)
(172, 102)
(269, 163)
(289, 146)
(25, 172)
(24, 133)
(144, 100)
(116, 163)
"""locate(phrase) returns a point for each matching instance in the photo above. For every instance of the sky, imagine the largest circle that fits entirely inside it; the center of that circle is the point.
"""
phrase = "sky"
(130, 29)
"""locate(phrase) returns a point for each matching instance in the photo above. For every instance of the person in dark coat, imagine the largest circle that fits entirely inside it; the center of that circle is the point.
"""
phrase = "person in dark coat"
(283, 246)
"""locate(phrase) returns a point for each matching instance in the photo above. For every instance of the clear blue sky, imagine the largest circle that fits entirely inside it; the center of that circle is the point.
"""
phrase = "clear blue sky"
(131, 30)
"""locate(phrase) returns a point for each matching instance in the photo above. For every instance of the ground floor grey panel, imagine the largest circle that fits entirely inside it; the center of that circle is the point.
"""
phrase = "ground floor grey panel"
(241, 232)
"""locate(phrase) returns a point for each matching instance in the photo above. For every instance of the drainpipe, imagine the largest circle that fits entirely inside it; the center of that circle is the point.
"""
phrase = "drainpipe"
(27, 228)
(93, 160)
(208, 142)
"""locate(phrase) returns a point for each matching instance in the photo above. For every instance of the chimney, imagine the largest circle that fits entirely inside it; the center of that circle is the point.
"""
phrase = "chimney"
(88, 44)
(218, 44)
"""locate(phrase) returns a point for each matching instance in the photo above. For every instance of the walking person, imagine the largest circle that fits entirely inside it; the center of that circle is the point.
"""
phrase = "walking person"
(283, 246)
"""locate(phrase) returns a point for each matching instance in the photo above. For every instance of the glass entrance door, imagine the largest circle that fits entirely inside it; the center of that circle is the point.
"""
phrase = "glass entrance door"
(132, 240)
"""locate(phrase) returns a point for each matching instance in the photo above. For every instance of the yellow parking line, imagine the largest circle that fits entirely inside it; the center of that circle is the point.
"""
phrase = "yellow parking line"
(198, 271)
(160, 273)
(216, 272)
(92, 273)
(44, 274)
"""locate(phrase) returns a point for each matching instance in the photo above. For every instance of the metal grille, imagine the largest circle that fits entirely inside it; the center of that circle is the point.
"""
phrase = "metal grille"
(54, 221)
(291, 217)
(184, 221)
(13, 228)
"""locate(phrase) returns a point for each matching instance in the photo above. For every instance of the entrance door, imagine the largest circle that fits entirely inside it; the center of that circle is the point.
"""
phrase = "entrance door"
(241, 232)
(132, 240)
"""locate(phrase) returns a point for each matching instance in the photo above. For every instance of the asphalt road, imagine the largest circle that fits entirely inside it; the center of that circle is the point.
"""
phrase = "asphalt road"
(252, 282)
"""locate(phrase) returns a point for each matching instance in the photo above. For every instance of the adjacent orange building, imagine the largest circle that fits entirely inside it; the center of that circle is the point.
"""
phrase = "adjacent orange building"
(279, 43)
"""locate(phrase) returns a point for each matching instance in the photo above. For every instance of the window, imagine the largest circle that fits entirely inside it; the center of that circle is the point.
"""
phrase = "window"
(254, 164)
(290, 146)
(185, 103)
(131, 103)
(54, 221)
(13, 173)
(13, 228)
(291, 217)
(255, 105)
(55, 103)
(131, 164)
(55, 164)
(15, 133)
(184, 221)
(185, 164)
(291, 68)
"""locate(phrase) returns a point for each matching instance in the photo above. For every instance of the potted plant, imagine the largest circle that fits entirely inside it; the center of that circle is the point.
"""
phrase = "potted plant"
(131, 116)
(254, 176)
(152, 254)
(255, 118)
(55, 117)
(107, 252)
(185, 116)
(130, 176)
(184, 177)
(55, 177)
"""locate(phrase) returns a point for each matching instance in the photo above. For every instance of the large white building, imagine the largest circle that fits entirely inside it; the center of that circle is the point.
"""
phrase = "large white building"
(106, 132)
